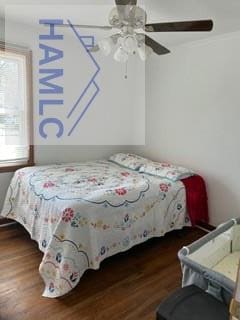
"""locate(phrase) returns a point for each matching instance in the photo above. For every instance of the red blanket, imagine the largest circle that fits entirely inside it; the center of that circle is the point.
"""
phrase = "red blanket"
(197, 201)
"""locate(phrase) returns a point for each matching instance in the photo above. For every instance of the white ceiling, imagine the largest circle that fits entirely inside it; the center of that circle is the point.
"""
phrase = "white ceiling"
(225, 13)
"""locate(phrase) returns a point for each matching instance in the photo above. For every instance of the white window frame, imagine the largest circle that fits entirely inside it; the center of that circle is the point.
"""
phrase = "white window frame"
(22, 51)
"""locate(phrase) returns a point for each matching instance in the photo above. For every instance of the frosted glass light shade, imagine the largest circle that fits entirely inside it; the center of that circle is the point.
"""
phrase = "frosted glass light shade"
(144, 51)
(121, 55)
(129, 44)
(106, 46)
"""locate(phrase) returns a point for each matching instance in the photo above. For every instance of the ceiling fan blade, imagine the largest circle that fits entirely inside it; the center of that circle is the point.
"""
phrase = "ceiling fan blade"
(181, 26)
(157, 47)
(83, 26)
(126, 2)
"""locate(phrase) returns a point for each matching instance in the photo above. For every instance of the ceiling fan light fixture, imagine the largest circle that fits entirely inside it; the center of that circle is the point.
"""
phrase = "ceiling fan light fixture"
(131, 21)
(140, 17)
(129, 44)
(106, 45)
(144, 51)
(114, 19)
(121, 55)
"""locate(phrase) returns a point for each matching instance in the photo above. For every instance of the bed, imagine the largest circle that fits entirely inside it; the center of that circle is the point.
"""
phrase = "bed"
(82, 213)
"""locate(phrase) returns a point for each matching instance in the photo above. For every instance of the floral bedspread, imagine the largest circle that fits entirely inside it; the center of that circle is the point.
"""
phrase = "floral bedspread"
(82, 213)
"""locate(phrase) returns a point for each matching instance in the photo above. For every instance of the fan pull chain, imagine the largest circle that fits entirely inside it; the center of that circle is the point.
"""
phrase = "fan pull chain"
(126, 70)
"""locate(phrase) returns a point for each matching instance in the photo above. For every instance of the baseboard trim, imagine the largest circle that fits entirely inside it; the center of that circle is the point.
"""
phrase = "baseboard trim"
(205, 226)
(4, 222)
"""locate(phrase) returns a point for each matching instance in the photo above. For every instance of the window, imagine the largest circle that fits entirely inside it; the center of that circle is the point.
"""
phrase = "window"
(16, 148)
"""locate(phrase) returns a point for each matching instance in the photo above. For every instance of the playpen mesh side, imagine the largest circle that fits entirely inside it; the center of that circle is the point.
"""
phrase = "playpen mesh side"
(195, 273)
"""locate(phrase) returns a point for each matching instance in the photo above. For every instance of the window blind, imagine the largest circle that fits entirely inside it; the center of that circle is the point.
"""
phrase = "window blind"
(14, 137)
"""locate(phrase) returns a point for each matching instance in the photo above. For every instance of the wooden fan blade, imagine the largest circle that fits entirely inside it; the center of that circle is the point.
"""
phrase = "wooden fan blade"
(83, 26)
(181, 26)
(157, 47)
(126, 2)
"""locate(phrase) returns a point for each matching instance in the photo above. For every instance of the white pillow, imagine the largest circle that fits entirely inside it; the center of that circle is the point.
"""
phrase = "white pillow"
(166, 170)
(131, 161)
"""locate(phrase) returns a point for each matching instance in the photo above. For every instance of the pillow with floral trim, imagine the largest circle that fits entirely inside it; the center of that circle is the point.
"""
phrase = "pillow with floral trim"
(128, 160)
(166, 170)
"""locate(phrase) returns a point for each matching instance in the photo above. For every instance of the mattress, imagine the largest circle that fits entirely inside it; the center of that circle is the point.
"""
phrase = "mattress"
(82, 213)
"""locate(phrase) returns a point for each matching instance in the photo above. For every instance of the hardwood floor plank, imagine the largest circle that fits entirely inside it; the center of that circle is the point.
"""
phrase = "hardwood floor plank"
(128, 286)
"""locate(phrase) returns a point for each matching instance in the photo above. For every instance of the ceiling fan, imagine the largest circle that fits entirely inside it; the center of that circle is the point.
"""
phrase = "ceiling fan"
(130, 19)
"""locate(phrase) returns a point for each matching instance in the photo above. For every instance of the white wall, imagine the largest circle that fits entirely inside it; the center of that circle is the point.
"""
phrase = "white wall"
(192, 119)
(2, 24)
(59, 154)
(193, 112)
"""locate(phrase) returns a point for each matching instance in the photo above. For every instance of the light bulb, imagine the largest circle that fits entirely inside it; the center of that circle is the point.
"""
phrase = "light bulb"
(144, 51)
(121, 55)
(106, 46)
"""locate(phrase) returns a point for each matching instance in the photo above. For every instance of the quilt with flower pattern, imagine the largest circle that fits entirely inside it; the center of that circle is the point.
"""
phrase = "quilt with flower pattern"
(82, 213)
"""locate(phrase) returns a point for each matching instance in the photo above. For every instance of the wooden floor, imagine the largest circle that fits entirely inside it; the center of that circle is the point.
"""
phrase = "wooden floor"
(128, 286)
